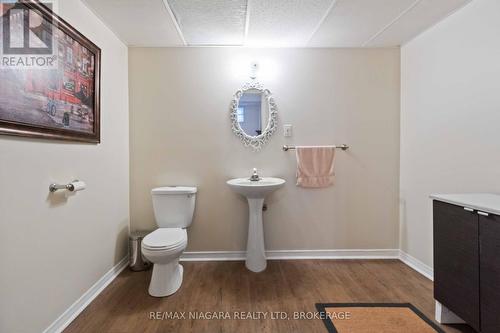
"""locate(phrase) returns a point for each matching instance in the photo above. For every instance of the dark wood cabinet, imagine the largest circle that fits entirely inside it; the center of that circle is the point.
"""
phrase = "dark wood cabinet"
(467, 264)
(456, 261)
(489, 233)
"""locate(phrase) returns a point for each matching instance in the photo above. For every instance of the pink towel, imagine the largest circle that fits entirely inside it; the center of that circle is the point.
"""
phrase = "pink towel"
(315, 166)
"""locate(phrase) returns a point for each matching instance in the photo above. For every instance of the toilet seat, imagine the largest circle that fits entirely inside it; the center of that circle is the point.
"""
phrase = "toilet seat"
(165, 239)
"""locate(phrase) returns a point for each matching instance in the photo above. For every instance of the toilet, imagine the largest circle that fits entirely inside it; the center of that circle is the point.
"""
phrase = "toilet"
(173, 208)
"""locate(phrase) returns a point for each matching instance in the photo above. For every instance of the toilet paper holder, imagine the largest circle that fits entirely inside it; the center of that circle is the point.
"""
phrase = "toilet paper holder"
(75, 185)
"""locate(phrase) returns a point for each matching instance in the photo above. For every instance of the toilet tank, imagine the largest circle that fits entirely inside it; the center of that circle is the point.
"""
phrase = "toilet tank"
(174, 206)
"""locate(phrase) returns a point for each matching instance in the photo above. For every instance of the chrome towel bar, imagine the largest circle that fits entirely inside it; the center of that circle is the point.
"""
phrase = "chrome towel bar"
(343, 147)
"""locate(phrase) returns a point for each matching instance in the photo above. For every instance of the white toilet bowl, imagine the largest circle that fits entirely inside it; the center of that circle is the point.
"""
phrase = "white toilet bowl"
(163, 247)
(173, 208)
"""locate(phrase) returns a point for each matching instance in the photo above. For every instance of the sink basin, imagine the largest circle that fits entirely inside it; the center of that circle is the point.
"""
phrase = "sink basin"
(255, 192)
(255, 189)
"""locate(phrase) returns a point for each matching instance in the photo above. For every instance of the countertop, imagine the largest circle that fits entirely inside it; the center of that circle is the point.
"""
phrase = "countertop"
(486, 202)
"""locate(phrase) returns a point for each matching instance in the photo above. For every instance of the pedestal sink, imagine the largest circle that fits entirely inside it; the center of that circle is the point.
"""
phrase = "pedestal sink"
(255, 192)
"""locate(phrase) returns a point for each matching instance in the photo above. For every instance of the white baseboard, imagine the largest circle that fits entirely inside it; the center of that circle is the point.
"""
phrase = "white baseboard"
(407, 259)
(443, 315)
(293, 254)
(76, 308)
(417, 265)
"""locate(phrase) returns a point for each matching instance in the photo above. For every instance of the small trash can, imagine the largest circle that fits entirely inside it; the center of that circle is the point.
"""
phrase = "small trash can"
(137, 260)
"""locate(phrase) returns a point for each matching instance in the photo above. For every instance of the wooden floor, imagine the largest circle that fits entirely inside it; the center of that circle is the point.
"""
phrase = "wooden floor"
(286, 286)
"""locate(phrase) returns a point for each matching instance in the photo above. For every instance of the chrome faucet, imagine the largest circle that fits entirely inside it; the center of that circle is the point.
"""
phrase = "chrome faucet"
(255, 176)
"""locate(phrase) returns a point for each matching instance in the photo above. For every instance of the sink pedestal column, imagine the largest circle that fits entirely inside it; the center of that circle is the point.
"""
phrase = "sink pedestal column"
(256, 255)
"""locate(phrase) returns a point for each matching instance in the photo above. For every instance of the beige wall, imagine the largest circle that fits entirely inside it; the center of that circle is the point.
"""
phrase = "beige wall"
(450, 117)
(55, 250)
(180, 134)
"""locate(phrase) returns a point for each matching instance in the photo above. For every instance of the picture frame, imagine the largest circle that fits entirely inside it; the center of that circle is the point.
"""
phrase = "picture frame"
(50, 90)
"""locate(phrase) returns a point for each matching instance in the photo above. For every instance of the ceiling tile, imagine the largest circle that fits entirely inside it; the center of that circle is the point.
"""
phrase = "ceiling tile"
(138, 23)
(275, 23)
(353, 22)
(214, 22)
(424, 15)
(284, 22)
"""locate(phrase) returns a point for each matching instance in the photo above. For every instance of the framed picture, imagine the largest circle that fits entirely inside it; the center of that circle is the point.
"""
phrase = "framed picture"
(49, 75)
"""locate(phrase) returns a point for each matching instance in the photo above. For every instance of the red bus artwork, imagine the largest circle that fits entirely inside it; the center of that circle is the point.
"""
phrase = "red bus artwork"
(67, 89)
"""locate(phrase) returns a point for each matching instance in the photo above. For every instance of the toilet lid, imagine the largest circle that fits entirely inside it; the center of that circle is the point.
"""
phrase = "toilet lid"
(174, 190)
(165, 238)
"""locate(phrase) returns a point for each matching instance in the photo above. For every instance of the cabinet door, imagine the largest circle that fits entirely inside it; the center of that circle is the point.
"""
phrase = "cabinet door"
(489, 237)
(456, 261)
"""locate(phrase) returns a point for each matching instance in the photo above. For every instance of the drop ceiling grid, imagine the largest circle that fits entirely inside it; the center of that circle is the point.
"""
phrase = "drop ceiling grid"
(284, 22)
(271, 23)
(146, 24)
(215, 22)
(419, 18)
(353, 22)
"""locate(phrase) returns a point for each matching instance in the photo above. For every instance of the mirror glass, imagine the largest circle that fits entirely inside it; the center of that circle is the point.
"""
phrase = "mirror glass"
(253, 112)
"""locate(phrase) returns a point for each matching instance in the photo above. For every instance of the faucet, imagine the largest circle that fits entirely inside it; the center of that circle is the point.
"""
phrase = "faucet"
(255, 176)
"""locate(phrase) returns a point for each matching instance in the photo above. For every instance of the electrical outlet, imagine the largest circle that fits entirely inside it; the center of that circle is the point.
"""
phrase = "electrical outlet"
(287, 130)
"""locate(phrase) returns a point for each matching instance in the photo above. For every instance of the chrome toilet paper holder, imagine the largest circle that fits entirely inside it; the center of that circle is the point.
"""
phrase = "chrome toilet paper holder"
(70, 186)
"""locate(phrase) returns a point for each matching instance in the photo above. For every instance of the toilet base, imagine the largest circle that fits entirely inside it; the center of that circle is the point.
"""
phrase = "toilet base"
(166, 279)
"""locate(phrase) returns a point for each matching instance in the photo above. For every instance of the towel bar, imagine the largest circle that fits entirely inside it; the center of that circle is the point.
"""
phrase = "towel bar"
(343, 147)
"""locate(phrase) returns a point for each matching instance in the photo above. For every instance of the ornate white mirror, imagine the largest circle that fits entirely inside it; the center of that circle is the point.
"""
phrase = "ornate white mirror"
(254, 115)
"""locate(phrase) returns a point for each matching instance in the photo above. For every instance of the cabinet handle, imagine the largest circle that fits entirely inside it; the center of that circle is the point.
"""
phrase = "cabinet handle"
(468, 209)
(483, 214)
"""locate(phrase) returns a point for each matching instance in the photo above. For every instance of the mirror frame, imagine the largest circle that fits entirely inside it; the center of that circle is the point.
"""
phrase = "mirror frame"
(255, 142)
